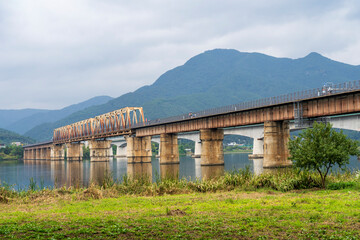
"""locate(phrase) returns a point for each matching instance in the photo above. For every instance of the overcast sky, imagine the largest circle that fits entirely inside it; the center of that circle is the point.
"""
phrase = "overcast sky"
(60, 52)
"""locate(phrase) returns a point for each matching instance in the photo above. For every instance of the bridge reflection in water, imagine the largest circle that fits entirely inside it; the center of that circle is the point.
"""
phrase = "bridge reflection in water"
(82, 173)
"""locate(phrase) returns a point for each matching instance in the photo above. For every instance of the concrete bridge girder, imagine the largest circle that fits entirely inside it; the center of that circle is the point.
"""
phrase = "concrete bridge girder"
(255, 132)
(195, 137)
(121, 147)
(351, 122)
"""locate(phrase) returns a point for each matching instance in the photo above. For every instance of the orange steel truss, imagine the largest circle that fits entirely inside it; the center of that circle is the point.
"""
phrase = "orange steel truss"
(114, 123)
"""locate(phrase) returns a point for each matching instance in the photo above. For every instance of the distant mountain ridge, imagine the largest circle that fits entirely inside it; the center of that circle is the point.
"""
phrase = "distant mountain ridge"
(216, 78)
(8, 117)
(30, 118)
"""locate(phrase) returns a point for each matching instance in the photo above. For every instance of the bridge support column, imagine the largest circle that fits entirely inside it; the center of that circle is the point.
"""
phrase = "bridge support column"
(197, 151)
(25, 154)
(58, 152)
(121, 150)
(138, 149)
(43, 153)
(276, 137)
(169, 148)
(99, 150)
(28, 154)
(38, 154)
(48, 153)
(258, 149)
(212, 146)
(75, 151)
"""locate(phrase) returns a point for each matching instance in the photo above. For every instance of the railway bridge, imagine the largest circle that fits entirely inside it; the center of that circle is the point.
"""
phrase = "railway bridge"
(268, 121)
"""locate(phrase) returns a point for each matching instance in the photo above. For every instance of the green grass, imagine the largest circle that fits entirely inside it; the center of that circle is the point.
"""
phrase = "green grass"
(282, 205)
(325, 214)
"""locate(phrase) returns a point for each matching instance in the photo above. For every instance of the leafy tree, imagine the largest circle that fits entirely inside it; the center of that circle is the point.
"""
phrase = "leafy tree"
(86, 152)
(154, 148)
(114, 149)
(320, 148)
(11, 152)
(16, 151)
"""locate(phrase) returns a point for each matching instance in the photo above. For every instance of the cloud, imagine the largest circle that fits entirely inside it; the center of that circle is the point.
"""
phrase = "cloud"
(56, 53)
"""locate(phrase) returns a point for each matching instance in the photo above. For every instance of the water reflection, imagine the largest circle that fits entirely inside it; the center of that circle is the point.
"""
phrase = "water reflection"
(119, 168)
(170, 171)
(258, 165)
(81, 173)
(139, 170)
(210, 172)
(58, 173)
(74, 174)
(99, 171)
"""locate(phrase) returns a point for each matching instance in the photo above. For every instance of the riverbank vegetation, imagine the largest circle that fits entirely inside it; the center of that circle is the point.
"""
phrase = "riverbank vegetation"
(273, 205)
(237, 149)
(11, 152)
(320, 148)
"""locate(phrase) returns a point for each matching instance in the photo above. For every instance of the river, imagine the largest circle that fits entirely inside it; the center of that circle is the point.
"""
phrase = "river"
(51, 174)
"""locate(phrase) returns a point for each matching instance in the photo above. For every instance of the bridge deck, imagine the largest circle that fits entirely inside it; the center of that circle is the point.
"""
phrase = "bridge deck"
(341, 99)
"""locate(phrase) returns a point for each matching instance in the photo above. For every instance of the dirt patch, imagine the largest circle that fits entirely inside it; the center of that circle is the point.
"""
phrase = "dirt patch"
(176, 212)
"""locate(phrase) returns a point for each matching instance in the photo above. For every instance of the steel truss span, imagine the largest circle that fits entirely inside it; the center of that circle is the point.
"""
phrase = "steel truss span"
(118, 122)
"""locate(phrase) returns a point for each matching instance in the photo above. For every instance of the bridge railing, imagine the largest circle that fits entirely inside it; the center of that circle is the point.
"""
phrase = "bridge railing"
(285, 98)
(103, 125)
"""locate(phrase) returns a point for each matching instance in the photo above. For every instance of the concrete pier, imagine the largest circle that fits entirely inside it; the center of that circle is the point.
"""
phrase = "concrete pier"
(75, 151)
(212, 147)
(276, 137)
(121, 150)
(197, 150)
(169, 149)
(138, 149)
(258, 149)
(99, 150)
(58, 152)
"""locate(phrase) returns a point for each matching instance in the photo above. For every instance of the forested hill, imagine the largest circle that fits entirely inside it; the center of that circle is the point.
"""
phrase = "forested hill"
(216, 78)
(8, 137)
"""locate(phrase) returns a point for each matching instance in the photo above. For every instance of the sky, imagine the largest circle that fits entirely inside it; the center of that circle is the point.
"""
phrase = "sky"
(60, 52)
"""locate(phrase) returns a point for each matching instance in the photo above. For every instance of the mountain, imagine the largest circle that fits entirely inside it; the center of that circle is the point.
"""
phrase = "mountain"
(8, 117)
(8, 137)
(24, 124)
(216, 78)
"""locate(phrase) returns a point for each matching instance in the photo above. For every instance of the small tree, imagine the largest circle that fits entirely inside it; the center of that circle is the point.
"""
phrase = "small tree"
(320, 148)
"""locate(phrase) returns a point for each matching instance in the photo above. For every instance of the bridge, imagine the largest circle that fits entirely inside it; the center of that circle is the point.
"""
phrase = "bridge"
(268, 121)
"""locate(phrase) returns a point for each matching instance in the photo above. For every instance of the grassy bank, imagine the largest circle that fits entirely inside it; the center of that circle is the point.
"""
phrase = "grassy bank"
(237, 205)
(250, 215)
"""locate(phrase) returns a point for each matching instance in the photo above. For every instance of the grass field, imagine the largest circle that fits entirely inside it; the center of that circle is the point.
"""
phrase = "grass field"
(310, 214)
(242, 206)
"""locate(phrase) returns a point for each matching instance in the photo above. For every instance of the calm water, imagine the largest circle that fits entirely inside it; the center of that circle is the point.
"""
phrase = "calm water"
(74, 173)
